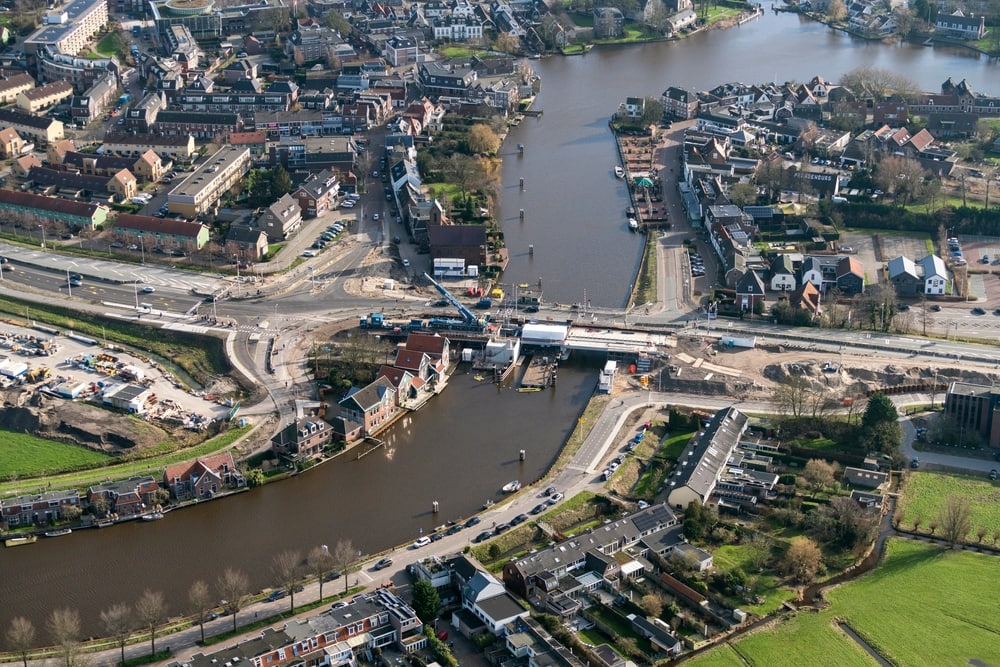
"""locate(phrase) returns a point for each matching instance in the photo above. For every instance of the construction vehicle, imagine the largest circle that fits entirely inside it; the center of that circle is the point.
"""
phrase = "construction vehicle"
(374, 321)
(38, 374)
(469, 322)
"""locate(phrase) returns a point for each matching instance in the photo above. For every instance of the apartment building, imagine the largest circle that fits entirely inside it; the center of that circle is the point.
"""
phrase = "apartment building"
(69, 28)
(203, 188)
(43, 97)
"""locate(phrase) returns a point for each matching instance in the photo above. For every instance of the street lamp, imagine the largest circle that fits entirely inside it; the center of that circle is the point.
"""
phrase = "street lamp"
(135, 288)
(237, 259)
(69, 284)
(42, 227)
(142, 249)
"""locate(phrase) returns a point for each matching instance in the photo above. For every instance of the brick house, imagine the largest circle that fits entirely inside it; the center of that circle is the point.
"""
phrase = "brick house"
(203, 478)
(125, 499)
(247, 242)
(37, 508)
(371, 406)
(302, 439)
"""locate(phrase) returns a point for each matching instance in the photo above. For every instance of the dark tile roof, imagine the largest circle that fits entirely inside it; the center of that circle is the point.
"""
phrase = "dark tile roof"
(146, 223)
(44, 203)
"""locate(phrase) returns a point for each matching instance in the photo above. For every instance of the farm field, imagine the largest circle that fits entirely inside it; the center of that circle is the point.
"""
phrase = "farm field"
(925, 493)
(24, 456)
(933, 593)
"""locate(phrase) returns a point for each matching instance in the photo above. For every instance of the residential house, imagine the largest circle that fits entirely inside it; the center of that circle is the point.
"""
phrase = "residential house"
(850, 276)
(707, 455)
(658, 633)
(177, 147)
(301, 439)
(124, 499)
(13, 84)
(203, 478)
(934, 274)
(485, 598)
(903, 276)
(247, 242)
(40, 129)
(806, 297)
(98, 97)
(609, 23)
(28, 207)
(163, 232)
(554, 579)
(782, 274)
(11, 143)
(318, 195)
(406, 384)
(749, 292)
(866, 479)
(37, 509)
(281, 219)
(957, 24)
(43, 97)
(696, 559)
(372, 406)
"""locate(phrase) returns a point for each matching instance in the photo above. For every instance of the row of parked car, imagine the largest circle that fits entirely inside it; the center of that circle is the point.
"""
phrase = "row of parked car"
(697, 264)
(325, 238)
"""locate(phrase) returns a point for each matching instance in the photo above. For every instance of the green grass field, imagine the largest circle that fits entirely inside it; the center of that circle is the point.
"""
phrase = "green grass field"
(23, 456)
(925, 495)
(922, 606)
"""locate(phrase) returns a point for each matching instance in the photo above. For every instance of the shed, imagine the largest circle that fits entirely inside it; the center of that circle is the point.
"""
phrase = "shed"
(70, 388)
(129, 397)
(12, 368)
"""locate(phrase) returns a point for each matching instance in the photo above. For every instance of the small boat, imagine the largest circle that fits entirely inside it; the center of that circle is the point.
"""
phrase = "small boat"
(18, 541)
(511, 487)
(619, 172)
(488, 504)
(105, 523)
(152, 516)
(58, 533)
(633, 224)
(630, 212)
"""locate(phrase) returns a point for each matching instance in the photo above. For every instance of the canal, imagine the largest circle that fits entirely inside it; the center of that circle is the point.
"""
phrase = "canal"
(574, 235)
(464, 445)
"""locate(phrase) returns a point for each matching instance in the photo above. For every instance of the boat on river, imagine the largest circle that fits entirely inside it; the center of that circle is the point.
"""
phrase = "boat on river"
(633, 224)
(18, 541)
(488, 504)
(619, 171)
(58, 533)
(152, 516)
(511, 487)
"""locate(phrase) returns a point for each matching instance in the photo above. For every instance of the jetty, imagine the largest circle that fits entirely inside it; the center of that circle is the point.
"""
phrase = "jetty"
(539, 374)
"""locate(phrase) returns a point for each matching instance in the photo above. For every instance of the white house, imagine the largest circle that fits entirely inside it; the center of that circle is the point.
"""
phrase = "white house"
(782, 274)
(486, 598)
(934, 273)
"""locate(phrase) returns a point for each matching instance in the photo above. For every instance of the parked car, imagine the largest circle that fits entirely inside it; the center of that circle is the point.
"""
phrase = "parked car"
(382, 563)
(472, 522)
(978, 311)
(994, 474)
(538, 509)
(277, 595)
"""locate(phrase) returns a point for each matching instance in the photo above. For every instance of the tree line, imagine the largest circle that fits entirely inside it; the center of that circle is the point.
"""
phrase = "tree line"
(147, 613)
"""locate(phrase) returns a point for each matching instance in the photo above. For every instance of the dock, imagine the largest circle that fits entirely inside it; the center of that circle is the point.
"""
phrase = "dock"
(539, 374)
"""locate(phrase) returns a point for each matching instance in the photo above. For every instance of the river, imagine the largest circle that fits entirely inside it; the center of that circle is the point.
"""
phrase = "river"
(463, 446)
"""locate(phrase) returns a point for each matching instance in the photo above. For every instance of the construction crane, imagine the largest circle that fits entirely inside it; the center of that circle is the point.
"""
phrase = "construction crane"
(469, 322)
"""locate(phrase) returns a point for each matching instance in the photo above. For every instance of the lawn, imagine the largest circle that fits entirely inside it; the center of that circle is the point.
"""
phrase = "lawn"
(24, 456)
(932, 594)
(730, 556)
(163, 455)
(925, 494)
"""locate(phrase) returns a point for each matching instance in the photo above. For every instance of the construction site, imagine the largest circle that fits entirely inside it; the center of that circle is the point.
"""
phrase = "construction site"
(67, 387)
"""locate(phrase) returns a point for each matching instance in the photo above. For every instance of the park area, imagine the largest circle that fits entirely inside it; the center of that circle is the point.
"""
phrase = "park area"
(923, 605)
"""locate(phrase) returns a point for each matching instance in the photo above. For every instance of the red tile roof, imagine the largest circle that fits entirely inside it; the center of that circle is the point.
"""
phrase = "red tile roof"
(43, 203)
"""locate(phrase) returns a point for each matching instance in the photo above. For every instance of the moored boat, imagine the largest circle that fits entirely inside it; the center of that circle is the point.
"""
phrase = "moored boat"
(619, 172)
(152, 516)
(18, 541)
(58, 533)
(633, 224)
(488, 504)
(511, 487)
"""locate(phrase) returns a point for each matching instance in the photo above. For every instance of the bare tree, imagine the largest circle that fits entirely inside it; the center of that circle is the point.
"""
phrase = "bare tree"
(819, 474)
(758, 550)
(320, 563)
(117, 622)
(286, 566)
(955, 522)
(21, 636)
(652, 604)
(344, 557)
(790, 396)
(63, 626)
(200, 600)
(877, 83)
(802, 560)
(151, 610)
(234, 587)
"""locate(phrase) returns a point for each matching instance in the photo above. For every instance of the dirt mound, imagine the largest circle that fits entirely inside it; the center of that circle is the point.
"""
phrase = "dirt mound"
(80, 424)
